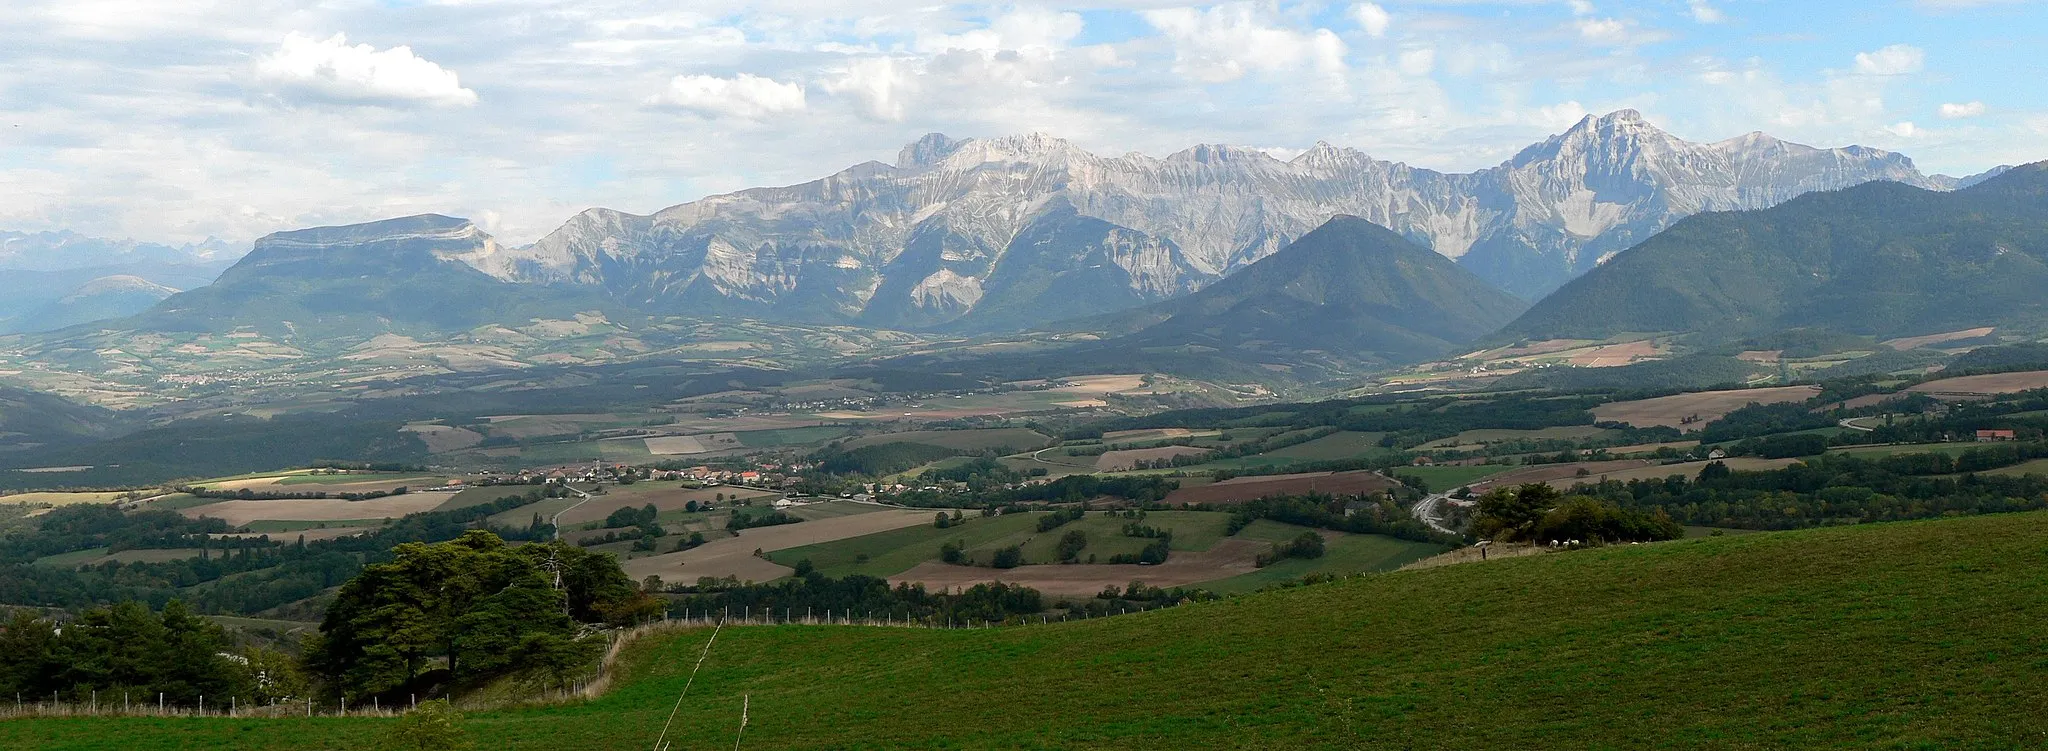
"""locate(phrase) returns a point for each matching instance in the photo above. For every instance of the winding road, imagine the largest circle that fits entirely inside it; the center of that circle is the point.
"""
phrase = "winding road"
(1426, 509)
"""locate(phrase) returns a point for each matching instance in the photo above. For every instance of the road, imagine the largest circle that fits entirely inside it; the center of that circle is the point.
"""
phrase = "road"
(1850, 423)
(556, 521)
(1426, 509)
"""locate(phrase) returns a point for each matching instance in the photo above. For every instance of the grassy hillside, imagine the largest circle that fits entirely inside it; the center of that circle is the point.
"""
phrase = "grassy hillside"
(1911, 635)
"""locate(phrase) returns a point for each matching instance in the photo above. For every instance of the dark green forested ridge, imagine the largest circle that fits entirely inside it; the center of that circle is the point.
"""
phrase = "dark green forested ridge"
(1880, 259)
(1349, 289)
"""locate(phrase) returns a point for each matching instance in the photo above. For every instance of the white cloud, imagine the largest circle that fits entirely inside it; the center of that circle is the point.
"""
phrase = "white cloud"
(1372, 18)
(1615, 32)
(1036, 29)
(1580, 7)
(333, 69)
(1225, 42)
(879, 86)
(1895, 60)
(1904, 129)
(1418, 62)
(1960, 110)
(745, 96)
(1703, 11)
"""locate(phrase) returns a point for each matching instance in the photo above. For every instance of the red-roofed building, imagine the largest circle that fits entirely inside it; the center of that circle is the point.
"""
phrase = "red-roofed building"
(1996, 435)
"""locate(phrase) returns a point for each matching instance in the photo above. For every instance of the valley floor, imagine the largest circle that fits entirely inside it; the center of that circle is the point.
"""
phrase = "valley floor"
(1906, 635)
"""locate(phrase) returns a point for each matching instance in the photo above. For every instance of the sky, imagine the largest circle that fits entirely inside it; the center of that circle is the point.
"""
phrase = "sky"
(178, 121)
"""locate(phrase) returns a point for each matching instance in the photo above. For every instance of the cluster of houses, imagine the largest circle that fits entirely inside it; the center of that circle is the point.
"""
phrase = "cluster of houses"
(599, 473)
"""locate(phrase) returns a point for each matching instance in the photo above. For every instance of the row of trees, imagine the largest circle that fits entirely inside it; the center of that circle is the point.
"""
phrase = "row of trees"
(867, 596)
(1832, 489)
(251, 575)
(1538, 513)
(1362, 514)
(126, 652)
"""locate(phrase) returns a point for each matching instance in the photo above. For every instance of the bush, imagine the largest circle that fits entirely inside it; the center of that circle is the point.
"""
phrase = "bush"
(1010, 557)
(1059, 518)
(1306, 545)
(1070, 546)
(433, 727)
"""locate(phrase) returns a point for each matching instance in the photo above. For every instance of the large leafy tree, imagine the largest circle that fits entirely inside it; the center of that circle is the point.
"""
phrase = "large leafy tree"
(475, 604)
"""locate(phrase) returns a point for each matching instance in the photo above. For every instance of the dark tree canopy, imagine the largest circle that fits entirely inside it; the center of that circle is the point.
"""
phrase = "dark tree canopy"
(480, 605)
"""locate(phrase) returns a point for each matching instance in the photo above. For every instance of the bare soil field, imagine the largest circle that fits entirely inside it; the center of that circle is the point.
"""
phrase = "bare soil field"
(1612, 355)
(670, 498)
(977, 439)
(1551, 472)
(533, 426)
(676, 445)
(1910, 342)
(1149, 434)
(1101, 384)
(734, 556)
(311, 535)
(1544, 347)
(322, 510)
(301, 482)
(1707, 406)
(1223, 560)
(1661, 471)
(1644, 448)
(1764, 356)
(1127, 459)
(1984, 385)
(1241, 489)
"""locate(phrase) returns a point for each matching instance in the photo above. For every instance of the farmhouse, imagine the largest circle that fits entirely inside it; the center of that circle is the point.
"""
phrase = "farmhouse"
(1996, 435)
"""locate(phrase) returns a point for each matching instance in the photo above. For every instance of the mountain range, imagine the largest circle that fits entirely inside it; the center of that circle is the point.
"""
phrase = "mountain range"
(50, 280)
(1013, 232)
(1882, 259)
(1223, 257)
(352, 282)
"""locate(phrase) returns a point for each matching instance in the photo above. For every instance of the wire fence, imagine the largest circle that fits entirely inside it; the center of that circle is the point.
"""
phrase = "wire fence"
(134, 704)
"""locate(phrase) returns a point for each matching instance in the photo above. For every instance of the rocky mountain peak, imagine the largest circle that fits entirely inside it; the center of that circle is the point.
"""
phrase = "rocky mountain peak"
(927, 151)
(120, 284)
(960, 224)
(1218, 153)
(1028, 148)
(418, 226)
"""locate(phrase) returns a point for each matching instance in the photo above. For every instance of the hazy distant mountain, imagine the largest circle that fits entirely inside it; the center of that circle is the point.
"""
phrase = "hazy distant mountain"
(58, 251)
(352, 282)
(1882, 259)
(40, 271)
(116, 296)
(1016, 231)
